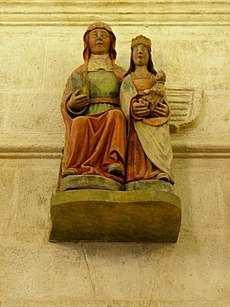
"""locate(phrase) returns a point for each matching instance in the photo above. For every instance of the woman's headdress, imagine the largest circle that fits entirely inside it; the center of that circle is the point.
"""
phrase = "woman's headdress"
(99, 25)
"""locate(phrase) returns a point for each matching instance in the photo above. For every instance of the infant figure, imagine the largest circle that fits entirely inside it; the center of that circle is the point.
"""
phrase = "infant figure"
(154, 95)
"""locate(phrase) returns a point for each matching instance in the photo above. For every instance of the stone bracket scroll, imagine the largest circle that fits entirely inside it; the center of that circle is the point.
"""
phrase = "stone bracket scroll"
(185, 104)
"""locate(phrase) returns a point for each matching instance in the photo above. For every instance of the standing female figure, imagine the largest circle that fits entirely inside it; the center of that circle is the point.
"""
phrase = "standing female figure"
(149, 151)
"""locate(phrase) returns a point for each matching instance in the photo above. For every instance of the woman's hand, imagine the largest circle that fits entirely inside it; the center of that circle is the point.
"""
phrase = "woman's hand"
(161, 110)
(140, 107)
(78, 101)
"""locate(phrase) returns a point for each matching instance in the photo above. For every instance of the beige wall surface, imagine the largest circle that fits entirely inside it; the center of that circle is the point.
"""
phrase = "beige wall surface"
(41, 43)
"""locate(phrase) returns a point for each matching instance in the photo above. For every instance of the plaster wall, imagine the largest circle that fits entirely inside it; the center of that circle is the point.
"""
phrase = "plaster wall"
(41, 43)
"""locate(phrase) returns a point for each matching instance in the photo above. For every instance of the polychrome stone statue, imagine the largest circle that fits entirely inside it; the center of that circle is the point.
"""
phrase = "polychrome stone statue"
(149, 152)
(95, 139)
(100, 149)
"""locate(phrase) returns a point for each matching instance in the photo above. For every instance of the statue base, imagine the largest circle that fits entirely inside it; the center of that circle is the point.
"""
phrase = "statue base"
(79, 182)
(115, 216)
(149, 185)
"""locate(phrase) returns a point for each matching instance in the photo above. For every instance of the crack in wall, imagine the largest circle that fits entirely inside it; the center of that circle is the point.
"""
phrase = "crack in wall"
(89, 271)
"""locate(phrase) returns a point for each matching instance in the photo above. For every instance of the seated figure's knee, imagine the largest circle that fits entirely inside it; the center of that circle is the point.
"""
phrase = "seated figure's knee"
(80, 120)
(116, 114)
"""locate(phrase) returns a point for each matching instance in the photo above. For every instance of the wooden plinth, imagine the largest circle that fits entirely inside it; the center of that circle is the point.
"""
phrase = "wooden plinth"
(115, 216)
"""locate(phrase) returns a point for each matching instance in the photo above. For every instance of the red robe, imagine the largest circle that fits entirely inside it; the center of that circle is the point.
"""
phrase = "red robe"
(94, 141)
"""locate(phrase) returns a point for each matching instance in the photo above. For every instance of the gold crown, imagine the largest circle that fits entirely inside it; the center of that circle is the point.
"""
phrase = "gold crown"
(140, 39)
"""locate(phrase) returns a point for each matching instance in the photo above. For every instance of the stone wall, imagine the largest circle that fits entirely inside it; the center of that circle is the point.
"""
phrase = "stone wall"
(41, 43)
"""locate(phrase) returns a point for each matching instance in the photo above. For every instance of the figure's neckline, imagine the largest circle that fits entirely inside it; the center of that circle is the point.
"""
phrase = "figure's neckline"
(100, 61)
(146, 75)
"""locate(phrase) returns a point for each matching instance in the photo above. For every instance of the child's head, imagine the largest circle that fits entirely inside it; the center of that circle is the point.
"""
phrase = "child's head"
(161, 76)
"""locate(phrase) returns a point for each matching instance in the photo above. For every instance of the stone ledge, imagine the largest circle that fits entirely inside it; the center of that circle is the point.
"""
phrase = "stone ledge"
(115, 216)
(26, 146)
(180, 150)
(76, 13)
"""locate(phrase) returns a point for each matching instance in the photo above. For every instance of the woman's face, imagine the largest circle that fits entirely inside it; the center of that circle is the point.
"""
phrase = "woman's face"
(99, 41)
(140, 55)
